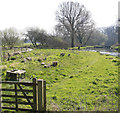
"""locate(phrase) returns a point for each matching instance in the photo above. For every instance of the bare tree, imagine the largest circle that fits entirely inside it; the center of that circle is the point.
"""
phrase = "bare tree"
(97, 38)
(36, 35)
(43, 37)
(32, 34)
(73, 18)
(111, 34)
(9, 37)
(84, 33)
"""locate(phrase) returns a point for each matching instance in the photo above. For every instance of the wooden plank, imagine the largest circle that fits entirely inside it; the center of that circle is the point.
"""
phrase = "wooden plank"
(15, 82)
(18, 96)
(30, 97)
(4, 107)
(25, 103)
(21, 109)
(27, 84)
(25, 90)
(8, 95)
(40, 95)
(6, 101)
(34, 95)
(13, 102)
(25, 96)
(4, 89)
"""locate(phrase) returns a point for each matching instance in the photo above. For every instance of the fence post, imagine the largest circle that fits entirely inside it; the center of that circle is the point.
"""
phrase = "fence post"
(16, 97)
(44, 95)
(34, 95)
(40, 95)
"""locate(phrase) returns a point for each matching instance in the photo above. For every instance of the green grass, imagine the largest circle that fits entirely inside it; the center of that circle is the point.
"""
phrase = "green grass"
(82, 81)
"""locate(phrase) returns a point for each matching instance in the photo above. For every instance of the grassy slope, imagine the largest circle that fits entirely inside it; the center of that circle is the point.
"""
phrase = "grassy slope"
(78, 80)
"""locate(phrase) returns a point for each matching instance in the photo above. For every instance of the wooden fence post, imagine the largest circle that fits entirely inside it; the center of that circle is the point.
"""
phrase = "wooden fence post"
(16, 103)
(40, 95)
(34, 95)
(44, 95)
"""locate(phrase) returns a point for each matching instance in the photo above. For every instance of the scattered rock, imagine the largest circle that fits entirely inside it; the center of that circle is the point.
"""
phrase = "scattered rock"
(13, 58)
(54, 97)
(40, 59)
(43, 63)
(23, 51)
(114, 60)
(54, 63)
(63, 75)
(56, 78)
(45, 58)
(68, 54)
(62, 54)
(94, 82)
(24, 60)
(49, 65)
(109, 58)
(10, 54)
(16, 53)
(29, 58)
(101, 54)
(46, 66)
(71, 76)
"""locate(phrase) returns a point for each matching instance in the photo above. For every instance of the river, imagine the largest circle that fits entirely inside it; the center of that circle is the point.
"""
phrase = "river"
(104, 51)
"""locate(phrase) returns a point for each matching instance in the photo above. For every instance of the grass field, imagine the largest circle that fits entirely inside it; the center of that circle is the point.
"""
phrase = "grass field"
(81, 81)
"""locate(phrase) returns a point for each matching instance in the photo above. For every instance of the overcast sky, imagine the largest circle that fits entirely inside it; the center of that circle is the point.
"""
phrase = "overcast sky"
(22, 14)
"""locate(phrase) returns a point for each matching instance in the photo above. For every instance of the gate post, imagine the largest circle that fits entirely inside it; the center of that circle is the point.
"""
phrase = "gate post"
(44, 95)
(34, 95)
(40, 95)
(16, 102)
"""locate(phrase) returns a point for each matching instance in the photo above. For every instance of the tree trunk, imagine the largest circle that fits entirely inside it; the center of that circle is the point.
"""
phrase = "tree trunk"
(72, 39)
